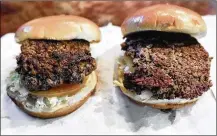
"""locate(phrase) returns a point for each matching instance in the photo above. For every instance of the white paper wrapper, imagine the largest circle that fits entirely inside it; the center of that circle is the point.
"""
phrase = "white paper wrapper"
(109, 111)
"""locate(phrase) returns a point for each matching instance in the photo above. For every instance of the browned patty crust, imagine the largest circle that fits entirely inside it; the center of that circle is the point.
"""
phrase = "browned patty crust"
(171, 65)
(44, 64)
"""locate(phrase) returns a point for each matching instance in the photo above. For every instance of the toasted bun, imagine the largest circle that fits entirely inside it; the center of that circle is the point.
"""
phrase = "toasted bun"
(159, 104)
(61, 27)
(165, 17)
(58, 113)
(64, 110)
(146, 100)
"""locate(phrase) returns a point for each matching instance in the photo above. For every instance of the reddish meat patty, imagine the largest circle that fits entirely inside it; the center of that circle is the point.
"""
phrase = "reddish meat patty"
(44, 64)
(170, 65)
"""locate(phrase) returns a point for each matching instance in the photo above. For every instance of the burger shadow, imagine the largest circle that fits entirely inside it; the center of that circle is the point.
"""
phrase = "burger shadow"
(143, 116)
(12, 116)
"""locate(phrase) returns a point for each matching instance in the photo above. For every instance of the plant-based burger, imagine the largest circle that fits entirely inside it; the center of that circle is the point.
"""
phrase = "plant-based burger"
(164, 66)
(55, 71)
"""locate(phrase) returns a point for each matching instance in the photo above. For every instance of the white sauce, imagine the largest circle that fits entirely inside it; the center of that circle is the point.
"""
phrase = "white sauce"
(53, 103)
(147, 98)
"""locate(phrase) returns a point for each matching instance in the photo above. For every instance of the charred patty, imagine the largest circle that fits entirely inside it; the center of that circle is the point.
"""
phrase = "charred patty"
(170, 65)
(44, 64)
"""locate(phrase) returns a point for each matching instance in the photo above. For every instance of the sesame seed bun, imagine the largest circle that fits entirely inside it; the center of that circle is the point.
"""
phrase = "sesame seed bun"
(61, 27)
(165, 17)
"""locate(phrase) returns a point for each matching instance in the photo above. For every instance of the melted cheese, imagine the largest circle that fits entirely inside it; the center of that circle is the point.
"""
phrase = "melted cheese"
(126, 63)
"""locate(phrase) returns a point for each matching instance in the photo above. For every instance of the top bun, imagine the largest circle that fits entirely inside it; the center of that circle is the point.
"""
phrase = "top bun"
(165, 17)
(61, 27)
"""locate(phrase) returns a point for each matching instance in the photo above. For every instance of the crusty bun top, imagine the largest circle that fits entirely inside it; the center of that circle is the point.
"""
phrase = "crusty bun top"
(165, 17)
(61, 27)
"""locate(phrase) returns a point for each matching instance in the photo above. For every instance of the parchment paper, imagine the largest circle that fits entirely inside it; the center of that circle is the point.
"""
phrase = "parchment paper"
(109, 111)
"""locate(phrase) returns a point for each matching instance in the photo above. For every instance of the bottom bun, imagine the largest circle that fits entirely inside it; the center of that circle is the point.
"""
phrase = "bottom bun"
(159, 104)
(58, 113)
(147, 99)
(166, 105)
(65, 108)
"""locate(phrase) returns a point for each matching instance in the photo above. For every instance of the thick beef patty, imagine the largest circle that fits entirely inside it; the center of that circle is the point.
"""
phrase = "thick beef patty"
(171, 65)
(44, 64)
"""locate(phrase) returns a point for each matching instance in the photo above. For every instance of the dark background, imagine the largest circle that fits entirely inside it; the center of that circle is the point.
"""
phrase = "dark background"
(14, 14)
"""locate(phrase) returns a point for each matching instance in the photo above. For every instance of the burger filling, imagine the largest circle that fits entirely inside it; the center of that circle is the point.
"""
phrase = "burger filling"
(17, 91)
(44, 64)
(170, 65)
